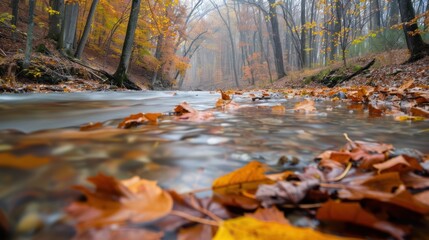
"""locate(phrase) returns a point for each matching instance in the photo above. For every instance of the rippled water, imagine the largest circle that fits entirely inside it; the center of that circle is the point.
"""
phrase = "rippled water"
(180, 155)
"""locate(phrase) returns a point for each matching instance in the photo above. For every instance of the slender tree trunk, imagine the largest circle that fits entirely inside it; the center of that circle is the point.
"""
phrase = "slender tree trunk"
(68, 27)
(375, 15)
(303, 40)
(87, 29)
(121, 72)
(29, 45)
(55, 19)
(278, 52)
(417, 47)
(14, 20)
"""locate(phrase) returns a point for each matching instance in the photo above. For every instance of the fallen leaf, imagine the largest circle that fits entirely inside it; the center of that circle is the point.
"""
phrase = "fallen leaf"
(225, 96)
(27, 161)
(250, 228)
(115, 202)
(272, 214)
(185, 112)
(248, 177)
(398, 164)
(417, 111)
(279, 109)
(423, 197)
(285, 192)
(406, 85)
(306, 105)
(91, 126)
(404, 118)
(354, 213)
(415, 181)
(133, 120)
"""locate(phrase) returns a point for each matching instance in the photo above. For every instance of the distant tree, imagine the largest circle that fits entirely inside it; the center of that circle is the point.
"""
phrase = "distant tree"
(68, 27)
(29, 45)
(14, 20)
(56, 8)
(87, 29)
(417, 47)
(120, 76)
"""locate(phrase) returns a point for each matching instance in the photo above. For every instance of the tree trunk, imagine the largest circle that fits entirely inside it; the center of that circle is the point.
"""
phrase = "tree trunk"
(278, 52)
(68, 27)
(375, 15)
(120, 75)
(393, 13)
(87, 29)
(55, 19)
(15, 9)
(303, 53)
(29, 45)
(416, 46)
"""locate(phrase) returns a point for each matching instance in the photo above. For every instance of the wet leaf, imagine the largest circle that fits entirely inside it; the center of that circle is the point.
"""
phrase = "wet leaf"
(398, 164)
(354, 213)
(404, 118)
(246, 178)
(91, 126)
(306, 105)
(225, 96)
(279, 109)
(115, 202)
(185, 112)
(138, 119)
(250, 228)
(417, 111)
(285, 192)
(415, 181)
(272, 214)
(27, 161)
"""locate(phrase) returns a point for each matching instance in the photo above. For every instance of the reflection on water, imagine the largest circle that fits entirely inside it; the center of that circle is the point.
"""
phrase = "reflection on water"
(179, 155)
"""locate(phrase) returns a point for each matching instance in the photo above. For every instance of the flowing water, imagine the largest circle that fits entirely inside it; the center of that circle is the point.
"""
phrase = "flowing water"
(44, 129)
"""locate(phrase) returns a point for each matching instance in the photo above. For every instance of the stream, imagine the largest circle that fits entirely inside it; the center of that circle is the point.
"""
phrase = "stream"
(180, 155)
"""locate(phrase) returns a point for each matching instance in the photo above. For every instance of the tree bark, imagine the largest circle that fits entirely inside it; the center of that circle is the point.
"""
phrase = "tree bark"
(375, 15)
(417, 47)
(29, 45)
(15, 15)
(120, 76)
(87, 29)
(303, 21)
(68, 27)
(393, 13)
(54, 30)
(278, 52)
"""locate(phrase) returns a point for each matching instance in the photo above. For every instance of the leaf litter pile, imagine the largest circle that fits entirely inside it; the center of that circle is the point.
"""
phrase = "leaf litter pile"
(362, 190)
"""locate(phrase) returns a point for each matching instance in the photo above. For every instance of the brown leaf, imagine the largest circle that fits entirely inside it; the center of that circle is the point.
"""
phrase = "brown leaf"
(306, 105)
(225, 96)
(91, 126)
(237, 200)
(406, 85)
(418, 111)
(138, 119)
(271, 214)
(423, 197)
(412, 180)
(22, 161)
(246, 178)
(354, 213)
(185, 112)
(399, 164)
(279, 109)
(285, 192)
(135, 200)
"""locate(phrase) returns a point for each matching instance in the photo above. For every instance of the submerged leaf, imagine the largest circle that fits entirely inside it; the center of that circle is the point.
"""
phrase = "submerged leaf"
(306, 105)
(22, 161)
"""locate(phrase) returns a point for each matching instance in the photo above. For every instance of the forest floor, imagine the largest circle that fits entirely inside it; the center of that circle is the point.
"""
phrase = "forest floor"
(51, 72)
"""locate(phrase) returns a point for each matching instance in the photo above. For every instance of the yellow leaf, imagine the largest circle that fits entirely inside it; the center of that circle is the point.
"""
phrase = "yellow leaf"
(246, 178)
(251, 229)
